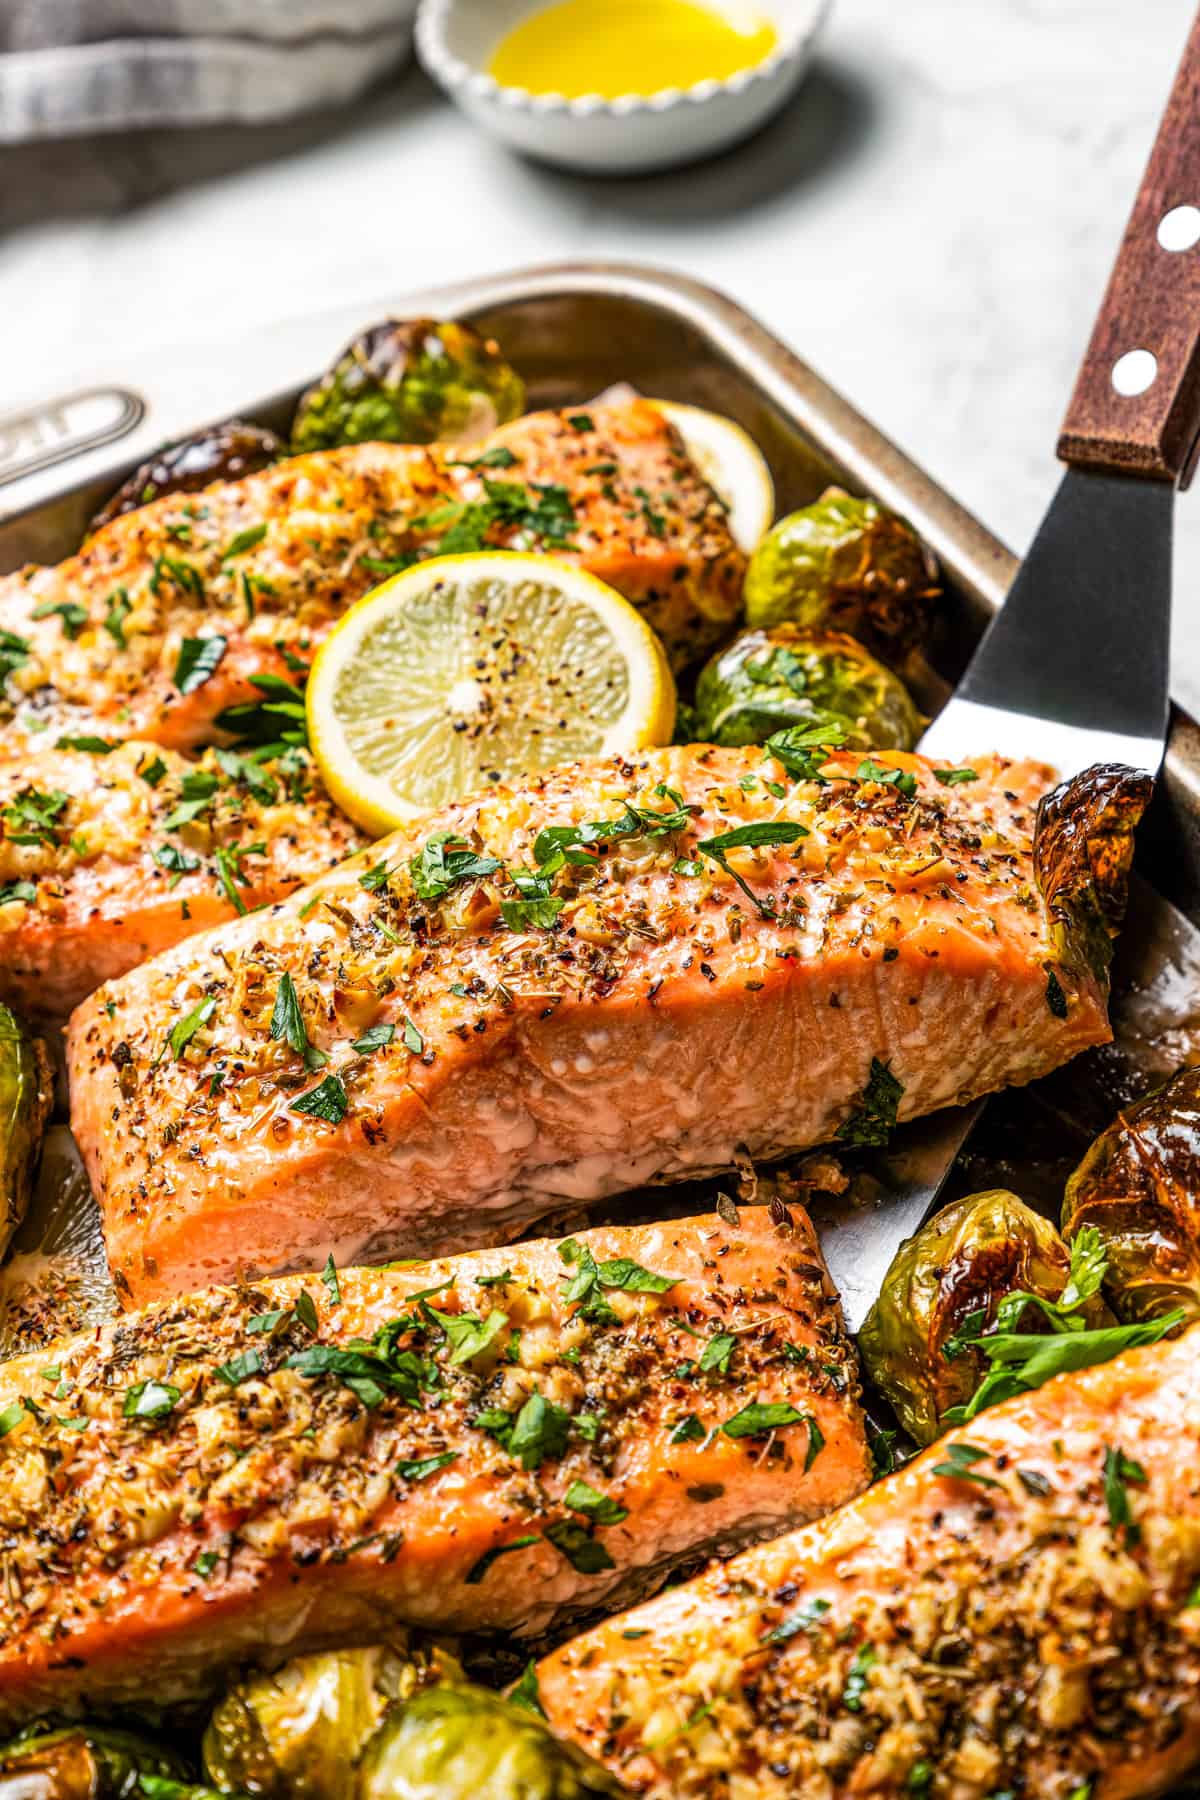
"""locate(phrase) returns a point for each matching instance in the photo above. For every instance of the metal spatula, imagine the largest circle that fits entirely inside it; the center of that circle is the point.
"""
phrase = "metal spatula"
(1074, 668)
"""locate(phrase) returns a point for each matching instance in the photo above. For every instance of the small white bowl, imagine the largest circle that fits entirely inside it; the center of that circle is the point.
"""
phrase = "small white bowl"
(456, 40)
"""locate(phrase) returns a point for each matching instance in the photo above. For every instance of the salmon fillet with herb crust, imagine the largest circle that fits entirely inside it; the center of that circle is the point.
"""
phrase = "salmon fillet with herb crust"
(614, 973)
(162, 621)
(494, 1443)
(108, 858)
(1015, 1612)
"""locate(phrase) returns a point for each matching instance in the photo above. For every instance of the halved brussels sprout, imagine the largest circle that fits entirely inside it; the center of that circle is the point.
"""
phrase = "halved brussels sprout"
(953, 1274)
(295, 1733)
(849, 565)
(1139, 1186)
(222, 453)
(767, 680)
(464, 1743)
(410, 381)
(26, 1094)
(91, 1763)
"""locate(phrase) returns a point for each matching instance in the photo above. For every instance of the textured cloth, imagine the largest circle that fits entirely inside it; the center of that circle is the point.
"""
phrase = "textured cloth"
(72, 66)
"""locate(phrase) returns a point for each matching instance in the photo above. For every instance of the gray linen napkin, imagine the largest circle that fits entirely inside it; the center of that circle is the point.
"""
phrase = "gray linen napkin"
(73, 66)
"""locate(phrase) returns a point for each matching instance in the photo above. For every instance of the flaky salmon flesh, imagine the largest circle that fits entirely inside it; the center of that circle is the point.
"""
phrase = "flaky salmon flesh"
(162, 621)
(455, 1034)
(1015, 1612)
(108, 858)
(488, 1444)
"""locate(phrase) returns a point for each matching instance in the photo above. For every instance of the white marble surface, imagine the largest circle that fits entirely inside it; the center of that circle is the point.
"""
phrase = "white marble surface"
(931, 224)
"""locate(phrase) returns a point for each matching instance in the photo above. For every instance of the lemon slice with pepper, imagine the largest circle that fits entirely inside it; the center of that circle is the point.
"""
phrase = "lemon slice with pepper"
(466, 671)
(733, 466)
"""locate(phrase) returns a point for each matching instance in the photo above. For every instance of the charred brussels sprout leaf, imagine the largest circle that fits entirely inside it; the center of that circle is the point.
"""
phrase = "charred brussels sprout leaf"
(848, 565)
(945, 1286)
(1082, 854)
(464, 1743)
(768, 681)
(296, 1733)
(1138, 1187)
(410, 381)
(26, 1092)
(91, 1763)
(223, 453)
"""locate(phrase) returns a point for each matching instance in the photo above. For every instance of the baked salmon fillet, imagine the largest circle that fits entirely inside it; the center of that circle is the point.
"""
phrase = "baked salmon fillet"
(161, 622)
(1015, 1612)
(106, 859)
(616, 973)
(489, 1444)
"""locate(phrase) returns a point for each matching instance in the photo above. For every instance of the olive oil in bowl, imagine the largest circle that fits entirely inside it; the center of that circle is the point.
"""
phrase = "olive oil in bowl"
(612, 48)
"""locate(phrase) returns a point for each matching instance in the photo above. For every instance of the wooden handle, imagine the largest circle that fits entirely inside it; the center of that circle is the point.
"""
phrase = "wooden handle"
(1136, 405)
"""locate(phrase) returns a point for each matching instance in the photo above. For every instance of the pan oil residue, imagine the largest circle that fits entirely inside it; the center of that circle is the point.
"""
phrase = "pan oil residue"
(616, 47)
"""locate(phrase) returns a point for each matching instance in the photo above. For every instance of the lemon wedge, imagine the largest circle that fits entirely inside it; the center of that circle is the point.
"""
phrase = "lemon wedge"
(469, 670)
(733, 466)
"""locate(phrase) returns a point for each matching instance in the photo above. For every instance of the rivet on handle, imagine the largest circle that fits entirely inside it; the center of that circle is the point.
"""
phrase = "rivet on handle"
(1134, 372)
(1180, 228)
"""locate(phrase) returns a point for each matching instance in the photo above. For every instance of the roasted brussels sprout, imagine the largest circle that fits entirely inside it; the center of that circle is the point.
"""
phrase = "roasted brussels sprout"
(1139, 1187)
(26, 1093)
(767, 680)
(947, 1279)
(410, 381)
(295, 1733)
(222, 453)
(464, 1743)
(849, 565)
(88, 1763)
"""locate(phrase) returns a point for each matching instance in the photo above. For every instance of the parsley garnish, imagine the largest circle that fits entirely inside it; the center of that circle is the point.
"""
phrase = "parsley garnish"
(443, 862)
(538, 1432)
(688, 1431)
(855, 1689)
(150, 1400)
(411, 1037)
(169, 856)
(73, 616)
(1021, 1361)
(802, 1619)
(581, 421)
(376, 1037)
(205, 1563)
(119, 609)
(287, 1023)
(199, 659)
(525, 1694)
(761, 1416)
(874, 1115)
(241, 1368)
(197, 792)
(769, 831)
(953, 777)
(12, 1415)
(803, 749)
(718, 1352)
(185, 1030)
(230, 872)
(14, 652)
(958, 1465)
(375, 878)
(328, 1101)
(329, 1276)
(185, 576)
(420, 1468)
(30, 816)
(598, 1507)
(246, 540)
(95, 746)
(584, 1552)
(1120, 1469)
(478, 1570)
(469, 1335)
(18, 890)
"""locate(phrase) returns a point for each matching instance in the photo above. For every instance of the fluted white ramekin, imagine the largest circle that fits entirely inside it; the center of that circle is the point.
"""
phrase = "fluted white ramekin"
(457, 38)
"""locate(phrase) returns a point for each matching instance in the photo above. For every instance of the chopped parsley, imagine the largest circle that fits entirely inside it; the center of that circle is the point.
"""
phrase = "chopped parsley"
(804, 749)
(959, 1465)
(804, 1617)
(762, 1416)
(185, 1029)
(119, 609)
(14, 653)
(525, 1694)
(953, 777)
(376, 1037)
(94, 746)
(688, 1431)
(903, 780)
(422, 1467)
(230, 872)
(205, 1563)
(29, 818)
(74, 617)
(478, 1570)
(245, 540)
(538, 1433)
(874, 1116)
(1119, 1470)
(18, 890)
(150, 1400)
(199, 659)
(585, 1553)
(443, 862)
(197, 792)
(718, 1352)
(241, 1368)
(183, 575)
(328, 1101)
(598, 1507)
(468, 1334)
(857, 1683)
(768, 831)
(329, 1277)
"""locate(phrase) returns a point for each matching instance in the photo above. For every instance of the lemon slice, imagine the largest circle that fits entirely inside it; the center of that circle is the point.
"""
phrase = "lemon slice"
(733, 466)
(468, 670)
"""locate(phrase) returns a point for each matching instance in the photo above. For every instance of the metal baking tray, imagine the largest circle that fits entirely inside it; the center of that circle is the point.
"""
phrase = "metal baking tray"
(572, 329)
